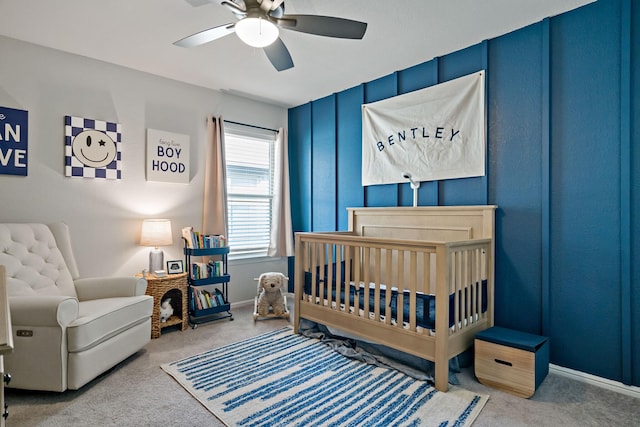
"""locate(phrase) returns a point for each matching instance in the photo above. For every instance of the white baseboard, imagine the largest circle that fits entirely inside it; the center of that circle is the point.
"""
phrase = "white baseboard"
(616, 386)
(289, 295)
(243, 303)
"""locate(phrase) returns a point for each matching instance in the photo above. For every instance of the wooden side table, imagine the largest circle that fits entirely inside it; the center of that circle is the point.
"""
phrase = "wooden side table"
(172, 286)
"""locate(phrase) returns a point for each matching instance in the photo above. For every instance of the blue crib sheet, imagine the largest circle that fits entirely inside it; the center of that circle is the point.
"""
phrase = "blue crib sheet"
(425, 303)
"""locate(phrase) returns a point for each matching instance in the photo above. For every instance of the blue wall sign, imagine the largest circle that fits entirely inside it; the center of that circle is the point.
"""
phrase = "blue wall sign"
(14, 131)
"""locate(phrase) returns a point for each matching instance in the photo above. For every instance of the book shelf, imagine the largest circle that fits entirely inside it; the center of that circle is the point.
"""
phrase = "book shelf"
(208, 285)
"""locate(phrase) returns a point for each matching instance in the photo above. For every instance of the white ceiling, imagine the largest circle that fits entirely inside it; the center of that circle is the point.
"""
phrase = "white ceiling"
(139, 34)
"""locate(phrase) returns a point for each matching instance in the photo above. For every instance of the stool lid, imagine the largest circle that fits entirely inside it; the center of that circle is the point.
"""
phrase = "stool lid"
(512, 338)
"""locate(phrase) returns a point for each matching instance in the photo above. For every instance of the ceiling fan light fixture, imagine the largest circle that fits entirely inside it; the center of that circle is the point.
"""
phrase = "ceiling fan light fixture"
(256, 31)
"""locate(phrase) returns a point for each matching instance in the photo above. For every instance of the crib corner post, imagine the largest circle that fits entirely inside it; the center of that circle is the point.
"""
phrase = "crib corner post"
(298, 281)
(443, 288)
(442, 375)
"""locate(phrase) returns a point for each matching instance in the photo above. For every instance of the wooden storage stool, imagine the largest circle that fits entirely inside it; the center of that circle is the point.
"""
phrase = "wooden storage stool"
(513, 361)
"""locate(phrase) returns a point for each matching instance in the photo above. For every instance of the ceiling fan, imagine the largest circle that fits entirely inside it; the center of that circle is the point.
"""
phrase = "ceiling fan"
(259, 23)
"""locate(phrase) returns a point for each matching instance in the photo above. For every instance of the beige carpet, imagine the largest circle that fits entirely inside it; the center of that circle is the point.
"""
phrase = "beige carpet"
(138, 393)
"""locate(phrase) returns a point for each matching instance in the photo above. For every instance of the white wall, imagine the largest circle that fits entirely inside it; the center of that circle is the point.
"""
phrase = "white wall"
(105, 216)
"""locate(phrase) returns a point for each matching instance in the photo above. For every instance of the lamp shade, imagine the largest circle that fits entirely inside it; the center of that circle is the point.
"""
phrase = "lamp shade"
(156, 232)
(256, 32)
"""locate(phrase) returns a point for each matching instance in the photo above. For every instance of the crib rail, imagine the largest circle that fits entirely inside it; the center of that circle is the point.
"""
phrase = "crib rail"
(393, 283)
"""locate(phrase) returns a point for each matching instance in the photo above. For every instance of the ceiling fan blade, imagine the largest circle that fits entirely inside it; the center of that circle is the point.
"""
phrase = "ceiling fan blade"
(206, 36)
(269, 5)
(327, 26)
(277, 9)
(279, 55)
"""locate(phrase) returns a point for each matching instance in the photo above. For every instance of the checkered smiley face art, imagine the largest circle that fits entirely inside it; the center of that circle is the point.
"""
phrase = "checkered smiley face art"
(94, 148)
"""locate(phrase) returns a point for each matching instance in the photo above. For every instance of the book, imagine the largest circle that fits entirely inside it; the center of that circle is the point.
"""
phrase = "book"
(212, 298)
(187, 235)
(219, 297)
(196, 299)
(203, 300)
(197, 240)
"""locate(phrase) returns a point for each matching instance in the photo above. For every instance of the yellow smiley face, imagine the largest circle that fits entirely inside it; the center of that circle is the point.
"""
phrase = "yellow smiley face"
(94, 148)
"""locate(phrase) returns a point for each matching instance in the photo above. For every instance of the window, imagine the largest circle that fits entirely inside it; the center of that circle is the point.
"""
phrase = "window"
(250, 163)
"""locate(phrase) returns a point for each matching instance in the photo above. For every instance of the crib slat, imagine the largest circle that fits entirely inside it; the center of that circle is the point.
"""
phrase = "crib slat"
(322, 262)
(314, 276)
(466, 291)
(330, 261)
(400, 313)
(455, 278)
(473, 291)
(357, 279)
(389, 281)
(462, 288)
(479, 275)
(365, 285)
(348, 256)
(424, 281)
(476, 287)
(339, 279)
(412, 289)
(304, 251)
(426, 274)
(376, 282)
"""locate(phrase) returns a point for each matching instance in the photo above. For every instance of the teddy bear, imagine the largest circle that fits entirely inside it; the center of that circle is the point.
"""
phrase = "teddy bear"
(271, 289)
(166, 310)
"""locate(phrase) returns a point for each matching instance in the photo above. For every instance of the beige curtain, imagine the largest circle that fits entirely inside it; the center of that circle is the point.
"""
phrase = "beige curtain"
(214, 213)
(282, 231)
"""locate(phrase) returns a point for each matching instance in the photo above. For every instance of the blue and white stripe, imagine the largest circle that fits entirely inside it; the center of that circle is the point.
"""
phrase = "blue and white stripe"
(284, 379)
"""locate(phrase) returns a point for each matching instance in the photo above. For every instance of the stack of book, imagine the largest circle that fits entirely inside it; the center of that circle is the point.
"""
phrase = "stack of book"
(204, 299)
(197, 240)
(201, 270)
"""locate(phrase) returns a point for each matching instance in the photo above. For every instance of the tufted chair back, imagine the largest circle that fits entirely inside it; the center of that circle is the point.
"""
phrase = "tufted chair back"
(34, 261)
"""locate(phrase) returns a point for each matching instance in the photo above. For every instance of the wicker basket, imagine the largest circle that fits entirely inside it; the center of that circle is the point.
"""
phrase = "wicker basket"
(173, 286)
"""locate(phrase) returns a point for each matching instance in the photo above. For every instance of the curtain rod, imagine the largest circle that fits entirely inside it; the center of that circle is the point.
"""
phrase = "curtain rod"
(251, 126)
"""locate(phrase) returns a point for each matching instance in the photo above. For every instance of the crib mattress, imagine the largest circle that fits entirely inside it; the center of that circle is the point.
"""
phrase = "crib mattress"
(425, 303)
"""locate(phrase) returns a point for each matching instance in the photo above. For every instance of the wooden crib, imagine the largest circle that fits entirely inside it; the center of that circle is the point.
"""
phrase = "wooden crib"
(416, 279)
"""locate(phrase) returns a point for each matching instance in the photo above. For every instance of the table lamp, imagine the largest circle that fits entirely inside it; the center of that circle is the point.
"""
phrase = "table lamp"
(156, 232)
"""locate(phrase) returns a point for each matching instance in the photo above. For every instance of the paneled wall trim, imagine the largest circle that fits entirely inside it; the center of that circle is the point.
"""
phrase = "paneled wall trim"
(562, 113)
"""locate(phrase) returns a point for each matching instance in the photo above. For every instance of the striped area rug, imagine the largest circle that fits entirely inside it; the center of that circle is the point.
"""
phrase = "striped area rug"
(284, 379)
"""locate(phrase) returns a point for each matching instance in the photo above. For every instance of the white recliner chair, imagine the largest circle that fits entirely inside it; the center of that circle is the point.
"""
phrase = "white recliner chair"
(66, 330)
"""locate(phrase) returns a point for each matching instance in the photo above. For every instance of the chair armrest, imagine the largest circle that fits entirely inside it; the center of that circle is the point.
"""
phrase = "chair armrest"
(41, 310)
(109, 287)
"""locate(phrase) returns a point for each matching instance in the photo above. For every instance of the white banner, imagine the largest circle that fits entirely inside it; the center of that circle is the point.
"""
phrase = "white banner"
(432, 134)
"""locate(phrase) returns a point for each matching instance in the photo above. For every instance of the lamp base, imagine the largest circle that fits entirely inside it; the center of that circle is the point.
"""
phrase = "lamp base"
(156, 260)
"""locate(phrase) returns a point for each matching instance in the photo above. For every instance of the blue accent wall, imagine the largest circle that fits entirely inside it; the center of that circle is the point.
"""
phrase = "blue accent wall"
(631, 287)
(349, 153)
(300, 167)
(515, 168)
(563, 107)
(585, 196)
(323, 154)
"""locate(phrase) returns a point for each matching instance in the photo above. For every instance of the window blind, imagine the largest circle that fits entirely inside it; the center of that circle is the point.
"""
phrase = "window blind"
(250, 173)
